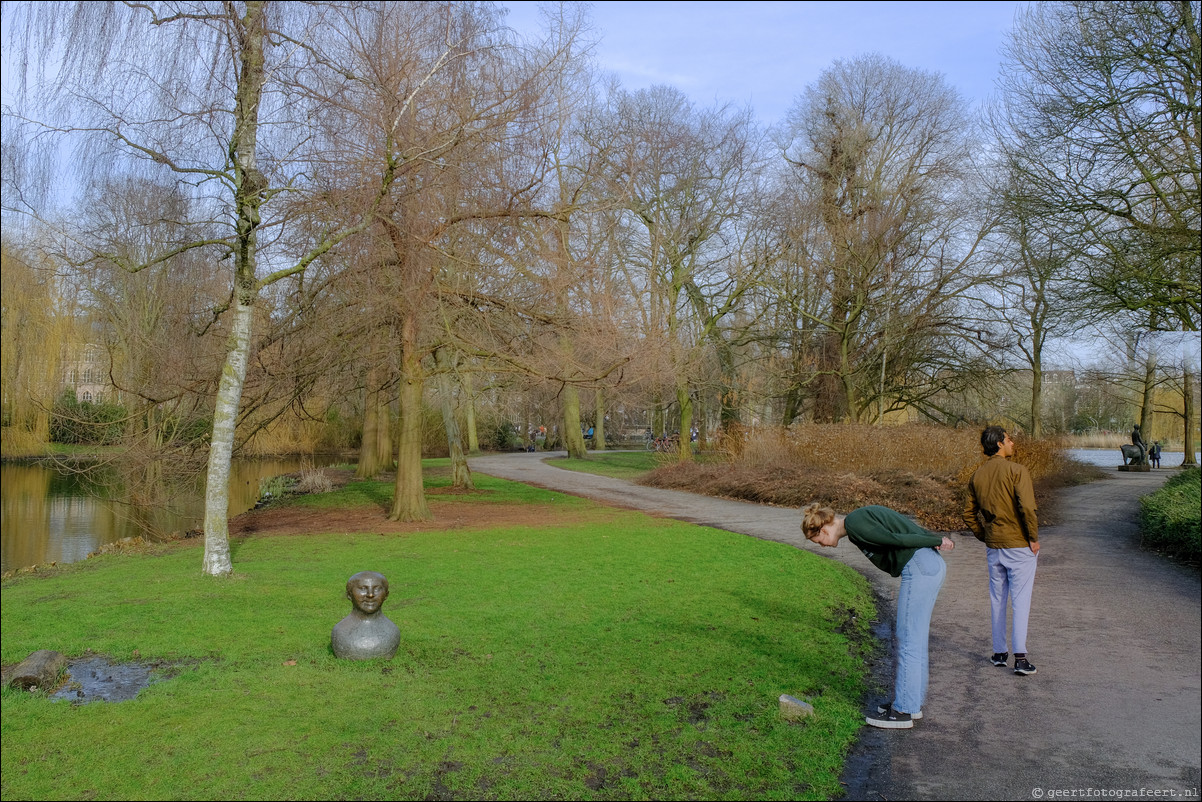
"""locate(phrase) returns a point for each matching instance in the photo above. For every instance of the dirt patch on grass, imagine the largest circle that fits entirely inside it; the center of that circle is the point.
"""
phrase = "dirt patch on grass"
(451, 508)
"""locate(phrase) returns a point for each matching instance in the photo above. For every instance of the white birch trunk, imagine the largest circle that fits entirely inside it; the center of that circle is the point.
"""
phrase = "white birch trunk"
(221, 448)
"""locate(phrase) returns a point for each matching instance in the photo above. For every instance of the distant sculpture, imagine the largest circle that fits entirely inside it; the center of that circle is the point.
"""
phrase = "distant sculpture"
(1136, 453)
(1137, 439)
(366, 633)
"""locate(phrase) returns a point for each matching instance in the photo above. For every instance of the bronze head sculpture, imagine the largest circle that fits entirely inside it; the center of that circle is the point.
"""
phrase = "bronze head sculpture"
(366, 633)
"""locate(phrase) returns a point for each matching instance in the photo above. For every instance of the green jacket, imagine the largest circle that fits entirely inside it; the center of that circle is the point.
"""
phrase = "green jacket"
(887, 538)
(1000, 492)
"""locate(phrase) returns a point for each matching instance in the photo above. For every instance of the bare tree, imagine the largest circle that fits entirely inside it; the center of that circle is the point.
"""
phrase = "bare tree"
(212, 96)
(442, 103)
(1032, 297)
(886, 237)
(1102, 111)
(684, 177)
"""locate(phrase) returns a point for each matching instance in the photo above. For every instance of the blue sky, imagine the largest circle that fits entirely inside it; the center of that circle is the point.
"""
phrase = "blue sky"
(765, 53)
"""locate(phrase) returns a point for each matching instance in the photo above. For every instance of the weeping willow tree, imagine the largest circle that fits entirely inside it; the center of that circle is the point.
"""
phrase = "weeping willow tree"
(210, 96)
(35, 333)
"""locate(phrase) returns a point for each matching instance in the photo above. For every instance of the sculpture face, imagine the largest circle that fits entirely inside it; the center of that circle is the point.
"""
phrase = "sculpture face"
(367, 590)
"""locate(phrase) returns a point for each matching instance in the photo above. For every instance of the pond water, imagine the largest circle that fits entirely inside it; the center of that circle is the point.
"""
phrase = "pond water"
(50, 513)
(1111, 458)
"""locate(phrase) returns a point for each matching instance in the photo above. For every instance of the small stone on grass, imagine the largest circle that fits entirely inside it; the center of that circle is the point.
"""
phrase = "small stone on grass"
(793, 709)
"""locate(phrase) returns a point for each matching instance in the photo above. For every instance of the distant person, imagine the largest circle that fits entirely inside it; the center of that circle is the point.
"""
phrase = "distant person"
(900, 547)
(1154, 454)
(1000, 492)
(366, 633)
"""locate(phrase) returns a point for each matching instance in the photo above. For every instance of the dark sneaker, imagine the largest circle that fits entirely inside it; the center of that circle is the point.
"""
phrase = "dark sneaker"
(882, 710)
(999, 658)
(1023, 666)
(890, 719)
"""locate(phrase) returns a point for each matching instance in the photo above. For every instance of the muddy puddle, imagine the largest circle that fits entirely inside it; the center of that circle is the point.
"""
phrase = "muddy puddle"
(97, 679)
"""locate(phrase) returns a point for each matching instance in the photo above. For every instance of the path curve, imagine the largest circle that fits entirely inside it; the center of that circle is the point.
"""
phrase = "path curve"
(1115, 633)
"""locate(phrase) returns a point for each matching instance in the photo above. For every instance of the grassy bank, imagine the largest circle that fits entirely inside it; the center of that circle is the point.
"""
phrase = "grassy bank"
(1171, 518)
(601, 654)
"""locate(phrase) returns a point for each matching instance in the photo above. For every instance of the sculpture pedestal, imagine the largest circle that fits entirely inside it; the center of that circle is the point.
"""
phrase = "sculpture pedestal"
(1136, 468)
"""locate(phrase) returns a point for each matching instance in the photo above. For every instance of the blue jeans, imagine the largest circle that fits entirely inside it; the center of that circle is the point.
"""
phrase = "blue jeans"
(920, 582)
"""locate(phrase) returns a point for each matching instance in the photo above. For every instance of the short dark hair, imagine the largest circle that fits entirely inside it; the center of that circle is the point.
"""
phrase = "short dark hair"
(991, 439)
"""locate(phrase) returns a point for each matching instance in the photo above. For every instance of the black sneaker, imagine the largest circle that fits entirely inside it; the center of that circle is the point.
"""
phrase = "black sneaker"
(883, 709)
(1023, 666)
(999, 658)
(890, 719)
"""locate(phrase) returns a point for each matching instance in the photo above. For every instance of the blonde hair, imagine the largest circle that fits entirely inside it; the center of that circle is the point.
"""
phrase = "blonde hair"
(814, 517)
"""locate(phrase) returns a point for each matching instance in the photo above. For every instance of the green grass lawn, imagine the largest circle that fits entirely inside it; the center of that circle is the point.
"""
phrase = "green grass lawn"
(616, 657)
(617, 464)
(621, 464)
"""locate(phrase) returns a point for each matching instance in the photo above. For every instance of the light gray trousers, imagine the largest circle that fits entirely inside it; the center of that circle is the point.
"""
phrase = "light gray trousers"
(1012, 577)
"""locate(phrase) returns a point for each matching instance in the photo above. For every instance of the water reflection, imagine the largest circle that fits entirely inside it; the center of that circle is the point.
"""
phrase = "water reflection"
(50, 513)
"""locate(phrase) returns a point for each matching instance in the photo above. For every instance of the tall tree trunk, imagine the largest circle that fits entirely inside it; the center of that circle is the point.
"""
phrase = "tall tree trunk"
(1037, 398)
(1146, 408)
(409, 498)
(247, 198)
(221, 447)
(1188, 397)
(375, 450)
(827, 397)
(728, 398)
(473, 437)
(461, 474)
(369, 460)
(384, 429)
(599, 426)
(686, 421)
(573, 438)
(792, 405)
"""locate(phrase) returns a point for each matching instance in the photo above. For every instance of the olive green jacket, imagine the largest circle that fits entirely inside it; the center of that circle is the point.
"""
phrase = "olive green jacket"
(1001, 495)
(887, 538)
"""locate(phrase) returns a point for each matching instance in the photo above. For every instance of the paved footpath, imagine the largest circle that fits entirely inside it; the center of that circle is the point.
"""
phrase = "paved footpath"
(1115, 633)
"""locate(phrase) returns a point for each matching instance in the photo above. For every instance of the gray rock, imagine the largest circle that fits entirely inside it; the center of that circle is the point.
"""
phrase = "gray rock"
(793, 709)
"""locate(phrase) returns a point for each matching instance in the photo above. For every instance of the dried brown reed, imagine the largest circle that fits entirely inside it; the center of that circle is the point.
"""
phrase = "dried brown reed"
(917, 470)
(1097, 439)
(286, 435)
(313, 480)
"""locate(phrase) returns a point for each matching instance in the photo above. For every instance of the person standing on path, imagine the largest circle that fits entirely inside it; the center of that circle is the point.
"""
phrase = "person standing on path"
(900, 547)
(1000, 493)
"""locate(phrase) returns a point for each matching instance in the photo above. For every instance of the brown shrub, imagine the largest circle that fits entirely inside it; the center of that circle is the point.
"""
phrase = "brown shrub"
(860, 448)
(917, 470)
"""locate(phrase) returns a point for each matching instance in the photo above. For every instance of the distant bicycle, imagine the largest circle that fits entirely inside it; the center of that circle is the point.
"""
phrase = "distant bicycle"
(669, 444)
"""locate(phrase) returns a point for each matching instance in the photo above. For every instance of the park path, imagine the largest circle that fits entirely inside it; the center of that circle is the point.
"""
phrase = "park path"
(1115, 633)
